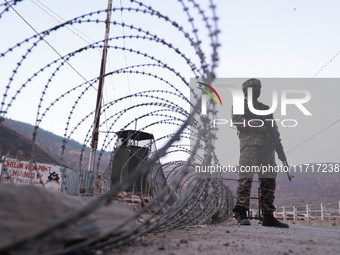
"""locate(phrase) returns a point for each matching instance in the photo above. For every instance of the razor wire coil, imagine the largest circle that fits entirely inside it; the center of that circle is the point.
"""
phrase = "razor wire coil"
(177, 196)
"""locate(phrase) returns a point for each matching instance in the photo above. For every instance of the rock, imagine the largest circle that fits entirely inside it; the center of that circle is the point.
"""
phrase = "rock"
(26, 208)
(183, 241)
(135, 200)
(135, 197)
(146, 199)
(122, 194)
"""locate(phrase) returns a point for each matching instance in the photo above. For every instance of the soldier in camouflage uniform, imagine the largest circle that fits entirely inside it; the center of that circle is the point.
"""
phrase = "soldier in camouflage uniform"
(256, 148)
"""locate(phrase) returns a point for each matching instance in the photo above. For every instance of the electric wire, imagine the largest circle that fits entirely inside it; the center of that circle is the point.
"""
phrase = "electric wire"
(321, 69)
(78, 35)
(74, 69)
(125, 58)
(313, 136)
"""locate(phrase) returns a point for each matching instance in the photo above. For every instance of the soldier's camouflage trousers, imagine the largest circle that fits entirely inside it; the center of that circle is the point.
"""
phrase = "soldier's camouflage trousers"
(256, 156)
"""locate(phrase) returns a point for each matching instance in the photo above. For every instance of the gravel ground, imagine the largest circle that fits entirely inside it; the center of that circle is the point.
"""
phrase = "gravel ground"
(229, 238)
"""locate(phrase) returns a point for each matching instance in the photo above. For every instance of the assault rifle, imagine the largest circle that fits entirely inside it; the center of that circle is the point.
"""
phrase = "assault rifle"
(274, 136)
(279, 148)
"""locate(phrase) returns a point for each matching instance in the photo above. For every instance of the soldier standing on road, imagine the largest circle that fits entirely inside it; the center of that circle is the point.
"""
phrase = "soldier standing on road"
(256, 148)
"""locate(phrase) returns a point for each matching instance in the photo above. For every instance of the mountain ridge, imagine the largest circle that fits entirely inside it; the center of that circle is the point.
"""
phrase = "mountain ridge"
(52, 145)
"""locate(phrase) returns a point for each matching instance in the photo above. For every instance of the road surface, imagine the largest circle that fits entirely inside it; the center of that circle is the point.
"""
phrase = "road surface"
(229, 238)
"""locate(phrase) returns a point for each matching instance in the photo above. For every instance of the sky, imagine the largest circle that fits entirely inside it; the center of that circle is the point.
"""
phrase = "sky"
(263, 39)
(279, 38)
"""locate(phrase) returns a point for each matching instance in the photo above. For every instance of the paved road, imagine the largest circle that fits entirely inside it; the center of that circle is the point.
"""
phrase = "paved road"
(229, 238)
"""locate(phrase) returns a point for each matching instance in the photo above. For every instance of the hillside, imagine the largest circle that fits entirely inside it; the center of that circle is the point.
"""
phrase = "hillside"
(15, 145)
(300, 191)
(308, 190)
(51, 144)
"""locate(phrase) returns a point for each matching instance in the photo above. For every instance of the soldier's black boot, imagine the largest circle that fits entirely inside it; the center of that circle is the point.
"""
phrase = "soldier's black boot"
(269, 220)
(241, 217)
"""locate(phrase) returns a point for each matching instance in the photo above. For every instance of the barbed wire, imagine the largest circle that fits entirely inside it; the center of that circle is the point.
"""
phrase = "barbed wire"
(173, 194)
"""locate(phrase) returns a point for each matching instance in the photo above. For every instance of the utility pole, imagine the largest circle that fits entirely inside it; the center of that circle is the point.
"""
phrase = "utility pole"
(95, 131)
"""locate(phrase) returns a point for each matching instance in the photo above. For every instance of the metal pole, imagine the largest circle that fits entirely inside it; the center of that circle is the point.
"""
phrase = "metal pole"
(284, 213)
(322, 212)
(63, 179)
(95, 133)
(259, 200)
(307, 211)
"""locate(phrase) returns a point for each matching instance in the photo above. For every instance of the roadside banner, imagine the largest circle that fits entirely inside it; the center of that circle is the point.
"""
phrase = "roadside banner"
(20, 173)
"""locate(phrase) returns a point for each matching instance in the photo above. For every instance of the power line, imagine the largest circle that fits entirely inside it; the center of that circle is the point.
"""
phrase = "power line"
(126, 63)
(321, 69)
(303, 86)
(63, 20)
(81, 37)
(313, 136)
(42, 38)
(318, 133)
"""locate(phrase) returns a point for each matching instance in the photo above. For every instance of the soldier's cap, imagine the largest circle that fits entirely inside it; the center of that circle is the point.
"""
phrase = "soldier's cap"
(251, 83)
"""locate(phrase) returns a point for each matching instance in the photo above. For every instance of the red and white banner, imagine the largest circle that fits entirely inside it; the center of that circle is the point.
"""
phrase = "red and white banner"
(20, 173)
